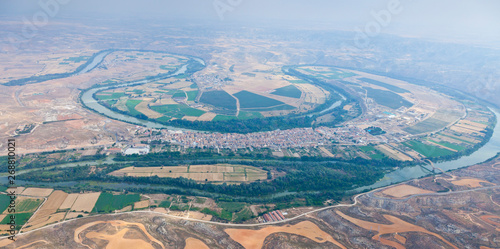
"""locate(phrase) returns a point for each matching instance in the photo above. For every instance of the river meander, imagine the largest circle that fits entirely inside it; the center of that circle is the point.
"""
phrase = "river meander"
(489, 150)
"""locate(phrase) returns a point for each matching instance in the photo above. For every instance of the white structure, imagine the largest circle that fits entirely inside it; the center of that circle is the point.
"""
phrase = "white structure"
(137, 150)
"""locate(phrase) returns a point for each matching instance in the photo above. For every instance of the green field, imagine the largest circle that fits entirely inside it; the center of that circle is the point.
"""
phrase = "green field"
(20, 219)
(231, 206)
(367, 148)
(249, 115)
(223, 118)
(288, 91)
(219, 99)
(165, 204)
(372, 152)
(377, 156)
(108, 202)
(179, 94)
(164, 119)
(28, 205)
(250, 100)
(115, 95)
(111, 102)
(177, 111)
(428, 125)
(387, 98)
(449, 145)
(243, 215)
(192, 95)
(427, 150)
(283, 107)
(385, 85)
(4, 202)
(131, 104)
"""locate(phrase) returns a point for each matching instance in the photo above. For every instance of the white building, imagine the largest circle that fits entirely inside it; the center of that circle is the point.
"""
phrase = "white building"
(137, 150)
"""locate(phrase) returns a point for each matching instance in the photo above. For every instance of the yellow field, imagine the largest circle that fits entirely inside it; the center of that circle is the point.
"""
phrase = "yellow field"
(178, 85)
(72, 215)
(144, 109)
(121, 104)
(68, 202)
(404, 190)
(473, 183)
(190, 118)
(393, 153)
(470, 127)
(199, 216)
(192, 243)
(141, 204)
(85, 202)
(209, 173)
(313, 94)
(474, 124)
(208, 116)
(461, 129)
(40, 192)
(327, 152)
(471, 140)
(43, 221)
(140, 238)
(254, 239)
(50, 206)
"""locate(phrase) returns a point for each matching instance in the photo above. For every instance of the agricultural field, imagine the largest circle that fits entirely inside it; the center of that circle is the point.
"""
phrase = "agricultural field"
(177, 111)
(25, 204)
(249, 100)
(427, 150)
(387, 98)
(327, 73)
(108, 202)
(202, 173)
(41, 192)
(4, 202)
(397, 226)
(255, 238)
(219, 99)
(288, 91)
(438, 121)
(371, 152)
(85, 202)
(21, 219)
(389, 87)
(404, 190)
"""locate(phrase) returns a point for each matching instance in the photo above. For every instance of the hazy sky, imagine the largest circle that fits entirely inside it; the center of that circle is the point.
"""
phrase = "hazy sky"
(467, 20)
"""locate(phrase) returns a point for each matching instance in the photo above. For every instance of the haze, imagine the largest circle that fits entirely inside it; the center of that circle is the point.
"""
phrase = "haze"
(449, 20)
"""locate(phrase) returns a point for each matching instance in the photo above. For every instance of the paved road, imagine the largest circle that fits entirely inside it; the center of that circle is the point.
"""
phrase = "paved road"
(369, 194)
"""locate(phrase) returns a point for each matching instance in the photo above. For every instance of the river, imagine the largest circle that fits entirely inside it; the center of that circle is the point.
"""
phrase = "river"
(95, 62)
(488, 151)
(89, 101)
